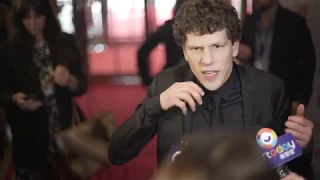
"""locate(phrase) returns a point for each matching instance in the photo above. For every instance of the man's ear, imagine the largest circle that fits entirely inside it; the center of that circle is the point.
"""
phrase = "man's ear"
(185, 54)
(235, 49)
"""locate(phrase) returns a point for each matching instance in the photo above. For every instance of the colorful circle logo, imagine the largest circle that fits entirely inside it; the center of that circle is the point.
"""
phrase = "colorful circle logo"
(267, 138)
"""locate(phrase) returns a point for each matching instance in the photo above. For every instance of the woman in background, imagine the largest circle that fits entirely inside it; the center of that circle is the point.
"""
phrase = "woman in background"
(38, 78)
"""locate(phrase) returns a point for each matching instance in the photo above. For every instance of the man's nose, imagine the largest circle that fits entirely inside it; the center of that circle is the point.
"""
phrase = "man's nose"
(207, 56)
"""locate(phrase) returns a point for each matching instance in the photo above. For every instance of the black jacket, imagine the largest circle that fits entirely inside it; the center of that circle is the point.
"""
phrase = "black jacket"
(265, 104)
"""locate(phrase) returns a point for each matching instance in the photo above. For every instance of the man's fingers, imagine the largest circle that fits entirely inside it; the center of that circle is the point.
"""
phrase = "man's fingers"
(182, 105)
(299, 120)
(195, 95)
(294, 126)
(300, 110)
(297, 135)
(196, 87)
(186, 97)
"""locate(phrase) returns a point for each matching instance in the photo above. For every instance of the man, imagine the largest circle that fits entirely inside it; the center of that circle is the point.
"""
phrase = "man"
(209, 91)
(278, 41)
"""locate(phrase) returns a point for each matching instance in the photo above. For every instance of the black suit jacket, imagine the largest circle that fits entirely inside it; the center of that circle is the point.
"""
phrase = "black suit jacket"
(265, 104)
(30, 136)
(292, 53)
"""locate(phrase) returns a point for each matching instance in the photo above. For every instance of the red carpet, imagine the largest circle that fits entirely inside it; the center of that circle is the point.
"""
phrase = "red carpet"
(122, 100)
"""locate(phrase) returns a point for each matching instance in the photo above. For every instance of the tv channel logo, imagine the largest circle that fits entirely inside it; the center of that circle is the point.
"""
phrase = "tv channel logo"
(267, 138)
(278, 149)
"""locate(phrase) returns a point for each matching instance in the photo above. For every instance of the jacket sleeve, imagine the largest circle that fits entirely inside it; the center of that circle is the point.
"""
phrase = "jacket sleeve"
(144, 51)
(301, 165)
(139, 129)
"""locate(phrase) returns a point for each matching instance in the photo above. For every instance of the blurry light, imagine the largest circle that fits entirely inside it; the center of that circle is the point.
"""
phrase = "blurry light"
(164, 4)
(99, 48)
(122, 9)
(96, 7)
(164, 10)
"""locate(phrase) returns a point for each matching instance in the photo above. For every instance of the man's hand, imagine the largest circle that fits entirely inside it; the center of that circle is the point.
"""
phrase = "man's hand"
(300, 127)
(25, 104)
(293, 176)
(180, 94)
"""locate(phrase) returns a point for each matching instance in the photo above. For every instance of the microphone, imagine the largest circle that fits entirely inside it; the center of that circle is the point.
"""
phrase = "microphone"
(174, 152)
(278, 150)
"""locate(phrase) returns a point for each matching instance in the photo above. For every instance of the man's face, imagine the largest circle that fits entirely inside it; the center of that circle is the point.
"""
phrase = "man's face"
(264, 5)
(210, 57)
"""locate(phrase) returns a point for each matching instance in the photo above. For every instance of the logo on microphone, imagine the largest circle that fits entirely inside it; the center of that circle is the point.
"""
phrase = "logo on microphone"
(277, 150)
(267, 138)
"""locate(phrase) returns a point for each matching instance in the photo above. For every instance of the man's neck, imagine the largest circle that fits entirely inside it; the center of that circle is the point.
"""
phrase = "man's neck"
(267, 15)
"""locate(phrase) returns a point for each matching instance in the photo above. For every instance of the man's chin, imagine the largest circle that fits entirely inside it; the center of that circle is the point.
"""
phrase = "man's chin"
(210, 86)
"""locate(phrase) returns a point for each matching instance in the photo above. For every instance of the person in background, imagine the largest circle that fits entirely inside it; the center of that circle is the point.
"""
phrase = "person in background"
(279, 41)
(164, 34)
(39, 76)
(210, 91)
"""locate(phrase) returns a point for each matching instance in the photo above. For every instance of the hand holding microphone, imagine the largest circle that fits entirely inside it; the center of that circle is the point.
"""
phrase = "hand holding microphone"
(300, 127)
(278, 150)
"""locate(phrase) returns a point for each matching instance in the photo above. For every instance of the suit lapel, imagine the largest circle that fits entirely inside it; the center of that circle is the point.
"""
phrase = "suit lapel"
(247, 99)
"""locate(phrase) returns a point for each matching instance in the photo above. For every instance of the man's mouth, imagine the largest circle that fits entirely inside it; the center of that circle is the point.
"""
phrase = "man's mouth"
(210, 75)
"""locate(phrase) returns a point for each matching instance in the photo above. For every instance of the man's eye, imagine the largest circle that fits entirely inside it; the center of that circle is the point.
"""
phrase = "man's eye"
(195, 49)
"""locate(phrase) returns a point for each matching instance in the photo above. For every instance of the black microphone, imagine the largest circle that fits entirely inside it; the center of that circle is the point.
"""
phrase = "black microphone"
(278, 150)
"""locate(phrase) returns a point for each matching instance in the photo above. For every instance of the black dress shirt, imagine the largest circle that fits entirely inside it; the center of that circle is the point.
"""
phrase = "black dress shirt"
(221, 108)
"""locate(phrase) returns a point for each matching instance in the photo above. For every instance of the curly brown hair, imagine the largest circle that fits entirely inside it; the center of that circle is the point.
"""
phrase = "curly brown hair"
(206, 17)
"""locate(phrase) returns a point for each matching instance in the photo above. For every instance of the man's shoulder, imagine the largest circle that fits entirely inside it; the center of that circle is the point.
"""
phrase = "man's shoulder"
(169, 76)
(176, 73)
(263, 80)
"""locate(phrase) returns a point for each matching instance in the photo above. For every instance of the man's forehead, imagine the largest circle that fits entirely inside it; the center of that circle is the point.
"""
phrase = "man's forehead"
(194, 39)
